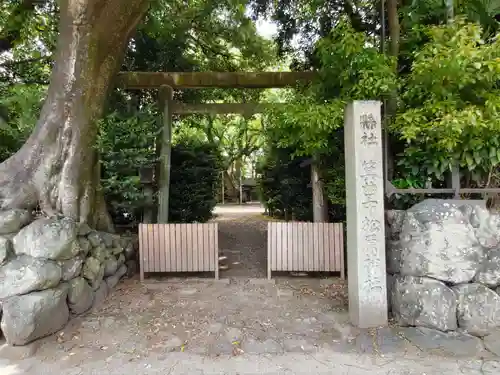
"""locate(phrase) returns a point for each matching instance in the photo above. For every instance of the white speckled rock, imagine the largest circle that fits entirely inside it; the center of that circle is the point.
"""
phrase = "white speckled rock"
(438, 241)
(478, 309)
(419, 301)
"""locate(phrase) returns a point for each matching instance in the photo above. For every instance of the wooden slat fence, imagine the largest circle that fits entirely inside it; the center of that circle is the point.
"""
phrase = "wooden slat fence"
(300, 246)
(178, 248)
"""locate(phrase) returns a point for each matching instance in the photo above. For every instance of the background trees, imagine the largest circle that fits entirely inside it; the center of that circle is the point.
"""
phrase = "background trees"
(438, 78)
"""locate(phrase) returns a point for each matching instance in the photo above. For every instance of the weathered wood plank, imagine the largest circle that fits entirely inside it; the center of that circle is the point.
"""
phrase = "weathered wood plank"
(178, 248)
(198, 80)
(300, 246)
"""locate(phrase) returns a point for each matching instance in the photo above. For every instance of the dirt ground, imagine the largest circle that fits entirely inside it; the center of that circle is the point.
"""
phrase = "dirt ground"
(208, 318)
(191, 327)
(243, 240)
(242, 313)
(240, 324)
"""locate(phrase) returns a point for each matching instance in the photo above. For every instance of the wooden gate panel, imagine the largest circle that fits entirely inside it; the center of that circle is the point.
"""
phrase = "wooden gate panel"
(178, 248)
(298, 246)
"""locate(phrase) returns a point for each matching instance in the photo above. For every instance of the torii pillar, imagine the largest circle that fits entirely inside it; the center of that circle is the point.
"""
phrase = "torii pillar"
(166, 103)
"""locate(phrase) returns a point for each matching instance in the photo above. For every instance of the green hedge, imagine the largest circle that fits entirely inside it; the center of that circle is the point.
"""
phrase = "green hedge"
(194, 181)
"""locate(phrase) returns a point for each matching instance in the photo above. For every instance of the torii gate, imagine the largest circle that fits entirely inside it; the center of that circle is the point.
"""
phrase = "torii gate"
(364, 172)
(167, 82)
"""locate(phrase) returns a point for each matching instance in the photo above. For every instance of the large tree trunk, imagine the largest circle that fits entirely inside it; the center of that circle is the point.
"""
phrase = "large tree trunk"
(57, 169)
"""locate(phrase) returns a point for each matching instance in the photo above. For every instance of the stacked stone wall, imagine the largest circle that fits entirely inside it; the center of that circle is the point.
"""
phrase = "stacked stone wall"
(443, 263)
(52, 269)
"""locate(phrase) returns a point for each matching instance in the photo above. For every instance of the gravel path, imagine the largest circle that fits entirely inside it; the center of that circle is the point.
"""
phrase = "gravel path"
(186, 327)
(243, 240)
(242, 324)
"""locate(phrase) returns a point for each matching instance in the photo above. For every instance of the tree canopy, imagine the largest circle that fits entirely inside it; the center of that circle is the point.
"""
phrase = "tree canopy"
(361, 50)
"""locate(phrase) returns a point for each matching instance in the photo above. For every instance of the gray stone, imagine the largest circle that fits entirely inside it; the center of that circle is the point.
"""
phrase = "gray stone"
(110, 266)
(71, 268)
(117, 242)
(129, 251)
(487, 227)
(84, 229)
(394, 220)
(451, 343)
(113, 280)
(49, 238)
(85, 245)
(80, 296)
(390, 285)
(478, 309)
(25, 274)
(35, 315)
(100, 295)
(95, 238)
(131, 268)
(116, 250)
(419, 301)
(93, 271)
(13, 220)
(433, 210)
(100, 253)
(5, 249)
(107, 239)
(492, 342)
(121, 260)
(489, 269)
(365, 209)
(393, 256)
(438, 241)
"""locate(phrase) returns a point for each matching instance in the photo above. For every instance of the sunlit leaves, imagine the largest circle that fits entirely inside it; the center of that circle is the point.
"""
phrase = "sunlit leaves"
(350, 70)
(452, 102)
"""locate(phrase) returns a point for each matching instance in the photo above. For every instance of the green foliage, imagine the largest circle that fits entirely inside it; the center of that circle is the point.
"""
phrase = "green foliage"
(452, 115)
(195, 177)
(22, 106)
(175, 36)
(283, 185)
(126, 144)
(352, 67)
(349, 71)
(312, 124)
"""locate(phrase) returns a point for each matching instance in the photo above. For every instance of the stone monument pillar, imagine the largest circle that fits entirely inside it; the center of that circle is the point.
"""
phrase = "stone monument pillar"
(365, 214)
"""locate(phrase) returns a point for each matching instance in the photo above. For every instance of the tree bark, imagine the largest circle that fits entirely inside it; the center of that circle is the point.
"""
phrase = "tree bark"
(57, 168)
